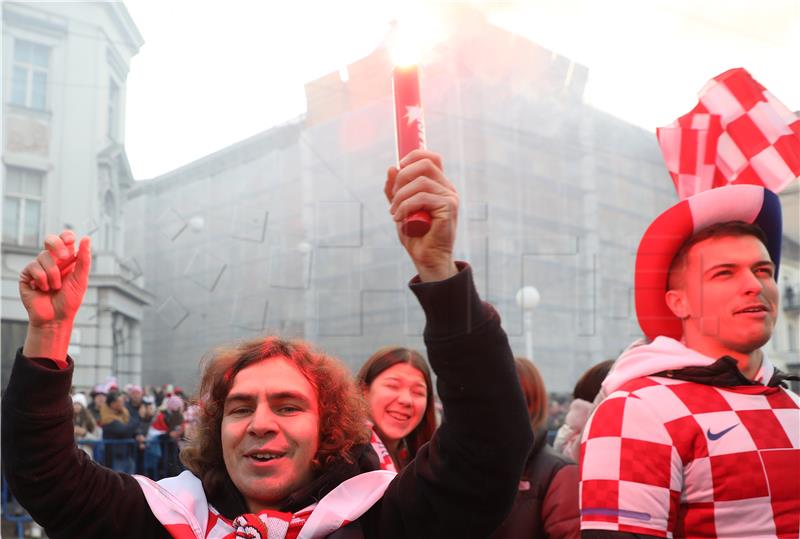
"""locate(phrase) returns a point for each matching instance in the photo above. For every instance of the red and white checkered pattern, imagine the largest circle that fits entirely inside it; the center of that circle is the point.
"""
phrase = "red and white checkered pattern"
(738, 133)
(671, 458)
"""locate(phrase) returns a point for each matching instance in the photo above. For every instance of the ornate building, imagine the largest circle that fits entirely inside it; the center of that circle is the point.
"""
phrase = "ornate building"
(65, 66)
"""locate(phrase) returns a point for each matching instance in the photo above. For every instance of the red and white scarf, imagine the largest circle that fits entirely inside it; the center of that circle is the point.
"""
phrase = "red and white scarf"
(383, 454)
(180, 505)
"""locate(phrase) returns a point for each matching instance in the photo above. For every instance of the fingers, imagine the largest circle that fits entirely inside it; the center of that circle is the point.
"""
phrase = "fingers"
(51, 270)
(57, 246)
(68, 237)
(83, 262)
(424, 167)
(58, 260)
(424, 200)
(34, 276)
(418, 155)
(419, 185)
(61, 249)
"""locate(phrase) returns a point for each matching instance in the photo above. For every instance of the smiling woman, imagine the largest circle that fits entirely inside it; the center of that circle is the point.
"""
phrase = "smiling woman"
(396, 383)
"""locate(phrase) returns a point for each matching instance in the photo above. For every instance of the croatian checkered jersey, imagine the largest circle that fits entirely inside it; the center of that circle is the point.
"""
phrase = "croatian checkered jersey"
(673, 458)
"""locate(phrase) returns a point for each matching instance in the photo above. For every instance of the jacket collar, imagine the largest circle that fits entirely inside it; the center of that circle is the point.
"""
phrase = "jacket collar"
(724, 372)
(668, 355)
(230, 503)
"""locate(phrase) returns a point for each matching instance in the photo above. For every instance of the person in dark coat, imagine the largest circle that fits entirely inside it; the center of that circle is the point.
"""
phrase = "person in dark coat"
(119, 433)
(547, 500)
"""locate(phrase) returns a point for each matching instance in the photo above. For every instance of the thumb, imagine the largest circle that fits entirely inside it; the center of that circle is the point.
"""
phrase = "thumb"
(84, 261)
(388, 187)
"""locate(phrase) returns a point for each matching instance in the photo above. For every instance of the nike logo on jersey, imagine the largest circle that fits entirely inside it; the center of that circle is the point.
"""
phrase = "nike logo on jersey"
(717, 435)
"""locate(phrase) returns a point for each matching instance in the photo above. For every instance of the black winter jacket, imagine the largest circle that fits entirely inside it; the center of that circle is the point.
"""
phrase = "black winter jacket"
(461, 484)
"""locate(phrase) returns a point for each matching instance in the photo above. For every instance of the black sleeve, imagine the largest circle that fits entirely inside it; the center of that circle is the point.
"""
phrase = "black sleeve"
(464, 481)
(608, 534)
(59, 485)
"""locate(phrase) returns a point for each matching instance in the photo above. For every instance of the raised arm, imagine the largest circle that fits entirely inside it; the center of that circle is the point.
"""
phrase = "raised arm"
(462, 483)
(54, 480)
(51, 288)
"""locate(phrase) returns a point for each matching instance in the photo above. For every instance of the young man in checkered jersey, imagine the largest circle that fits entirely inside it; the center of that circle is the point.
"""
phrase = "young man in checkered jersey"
(698, 436)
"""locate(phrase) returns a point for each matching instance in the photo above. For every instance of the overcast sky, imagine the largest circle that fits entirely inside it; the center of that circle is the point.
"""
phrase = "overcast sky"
(213, 73)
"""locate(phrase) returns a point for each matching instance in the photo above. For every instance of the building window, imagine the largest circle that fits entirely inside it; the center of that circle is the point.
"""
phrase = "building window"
(29, 79)
(113, 109)
(22, 206)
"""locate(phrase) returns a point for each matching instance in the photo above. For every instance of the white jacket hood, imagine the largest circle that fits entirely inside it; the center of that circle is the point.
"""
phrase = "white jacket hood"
(644, 359)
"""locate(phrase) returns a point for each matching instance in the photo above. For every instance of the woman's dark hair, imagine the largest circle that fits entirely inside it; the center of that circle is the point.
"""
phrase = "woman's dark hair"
(83, 418)
(588, 385)
(387, 357)
(342, 417)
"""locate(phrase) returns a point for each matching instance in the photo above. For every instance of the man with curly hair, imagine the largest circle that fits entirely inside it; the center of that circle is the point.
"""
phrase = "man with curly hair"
(282, 448)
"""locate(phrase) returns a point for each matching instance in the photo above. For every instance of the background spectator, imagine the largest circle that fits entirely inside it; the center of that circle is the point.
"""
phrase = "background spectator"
(568, 438)
(98, 395)
(83, 423)
(117, 426)
(164, 434)
(397, 385)
(547, 499)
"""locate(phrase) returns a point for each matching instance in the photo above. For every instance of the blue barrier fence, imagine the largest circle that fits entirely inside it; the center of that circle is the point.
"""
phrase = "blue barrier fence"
(156, 459)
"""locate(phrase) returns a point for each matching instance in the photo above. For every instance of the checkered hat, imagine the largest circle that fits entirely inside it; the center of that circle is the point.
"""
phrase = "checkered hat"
(738, 133)
(749, 203)
(727, 157)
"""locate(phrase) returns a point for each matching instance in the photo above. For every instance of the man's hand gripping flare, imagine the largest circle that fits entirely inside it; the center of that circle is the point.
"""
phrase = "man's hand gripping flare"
(420, 184)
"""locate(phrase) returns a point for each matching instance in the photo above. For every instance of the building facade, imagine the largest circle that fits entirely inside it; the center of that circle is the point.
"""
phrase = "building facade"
(288, 232)
(65, 66)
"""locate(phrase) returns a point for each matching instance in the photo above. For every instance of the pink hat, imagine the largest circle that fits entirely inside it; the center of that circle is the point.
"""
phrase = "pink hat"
(174, 403)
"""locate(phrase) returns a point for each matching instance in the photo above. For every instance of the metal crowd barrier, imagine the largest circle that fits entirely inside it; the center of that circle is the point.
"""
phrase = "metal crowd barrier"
(158, 459)
(13, 512)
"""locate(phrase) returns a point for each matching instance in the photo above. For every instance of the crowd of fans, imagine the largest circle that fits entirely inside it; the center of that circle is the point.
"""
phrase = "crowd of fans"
(288, 440)
(142, 430)
(134, 429)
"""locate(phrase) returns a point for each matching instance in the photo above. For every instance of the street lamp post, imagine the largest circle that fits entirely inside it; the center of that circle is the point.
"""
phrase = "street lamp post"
(528, 298)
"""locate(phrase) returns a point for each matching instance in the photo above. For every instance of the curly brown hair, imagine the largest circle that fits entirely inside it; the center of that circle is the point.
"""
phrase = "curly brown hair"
(342, 422)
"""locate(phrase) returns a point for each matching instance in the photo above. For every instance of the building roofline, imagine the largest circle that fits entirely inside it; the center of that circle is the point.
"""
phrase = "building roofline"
(119, 13)
(241, 152)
